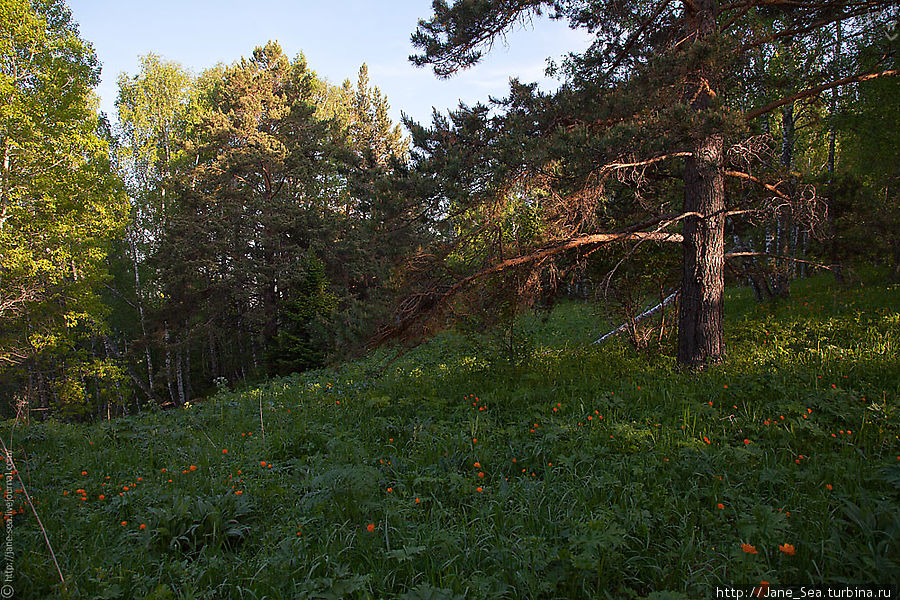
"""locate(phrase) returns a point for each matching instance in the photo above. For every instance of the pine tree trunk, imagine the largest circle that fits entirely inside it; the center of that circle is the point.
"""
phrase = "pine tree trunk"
(700, 334)
(832, 142)
(782, 278)
(701, 339)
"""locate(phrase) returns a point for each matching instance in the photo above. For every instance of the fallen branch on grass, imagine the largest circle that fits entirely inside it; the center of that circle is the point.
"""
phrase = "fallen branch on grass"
(647, 313)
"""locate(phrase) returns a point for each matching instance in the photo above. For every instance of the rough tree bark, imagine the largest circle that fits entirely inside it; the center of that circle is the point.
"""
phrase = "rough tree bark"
(700, 334)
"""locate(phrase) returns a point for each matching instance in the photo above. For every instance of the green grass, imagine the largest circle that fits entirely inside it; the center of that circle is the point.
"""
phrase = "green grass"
(598, 481)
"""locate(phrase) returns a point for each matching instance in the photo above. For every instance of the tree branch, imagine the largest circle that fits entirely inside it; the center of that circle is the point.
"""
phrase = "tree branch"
(768, 186)
(815, 90)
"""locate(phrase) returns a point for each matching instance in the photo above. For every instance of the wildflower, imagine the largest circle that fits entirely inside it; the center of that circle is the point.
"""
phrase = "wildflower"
(124, 523)
(162, 470)
(417, 501)
(125, 488)
(749, 549)
(84, 472)
(479, 489)
(370, 527)
(706, 439)
(481, 475)
(224, 450)
(788, 549)
(143, 526)
(474, 441)
(193, 467)
(102, 497)
(478, 465)
(720, 506)
(262, 463)
(746, 442)
(238, 492)
(828, 485)
(390, 489)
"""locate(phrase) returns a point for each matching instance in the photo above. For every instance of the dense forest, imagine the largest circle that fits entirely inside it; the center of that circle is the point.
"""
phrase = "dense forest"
(255, 220)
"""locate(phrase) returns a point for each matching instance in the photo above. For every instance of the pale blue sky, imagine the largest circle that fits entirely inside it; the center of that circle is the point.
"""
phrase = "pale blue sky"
(336, 37)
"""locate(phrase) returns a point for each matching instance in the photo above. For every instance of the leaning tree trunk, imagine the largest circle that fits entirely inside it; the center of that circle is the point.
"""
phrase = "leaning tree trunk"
(701, 339)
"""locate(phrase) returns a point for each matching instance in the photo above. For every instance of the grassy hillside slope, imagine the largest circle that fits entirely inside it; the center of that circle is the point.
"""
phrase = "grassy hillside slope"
(572, 471)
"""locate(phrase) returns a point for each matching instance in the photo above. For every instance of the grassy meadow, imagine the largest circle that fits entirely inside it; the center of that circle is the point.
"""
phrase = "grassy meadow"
(567, 470)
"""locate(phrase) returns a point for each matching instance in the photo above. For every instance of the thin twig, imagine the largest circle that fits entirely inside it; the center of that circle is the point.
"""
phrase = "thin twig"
(9, 461)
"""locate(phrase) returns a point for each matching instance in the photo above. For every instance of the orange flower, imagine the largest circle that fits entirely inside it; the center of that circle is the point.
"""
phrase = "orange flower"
(124, 523)
(193, 467)
(143, 526)
(238, 493)
(390, 490)
(84, 472)
(262, 463)
(479, 489)
(828, 485)
(746, 442)
(475, 441)
(162, 470)
(102, 497)
(417, 500)
(481, 475)
(477, 465)
(224, 450)
(125, 488)
(749, 549)
(720, 506)
(370, 527)
(788, 549)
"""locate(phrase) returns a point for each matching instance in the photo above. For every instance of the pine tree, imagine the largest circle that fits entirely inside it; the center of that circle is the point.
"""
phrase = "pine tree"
(657, 96)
